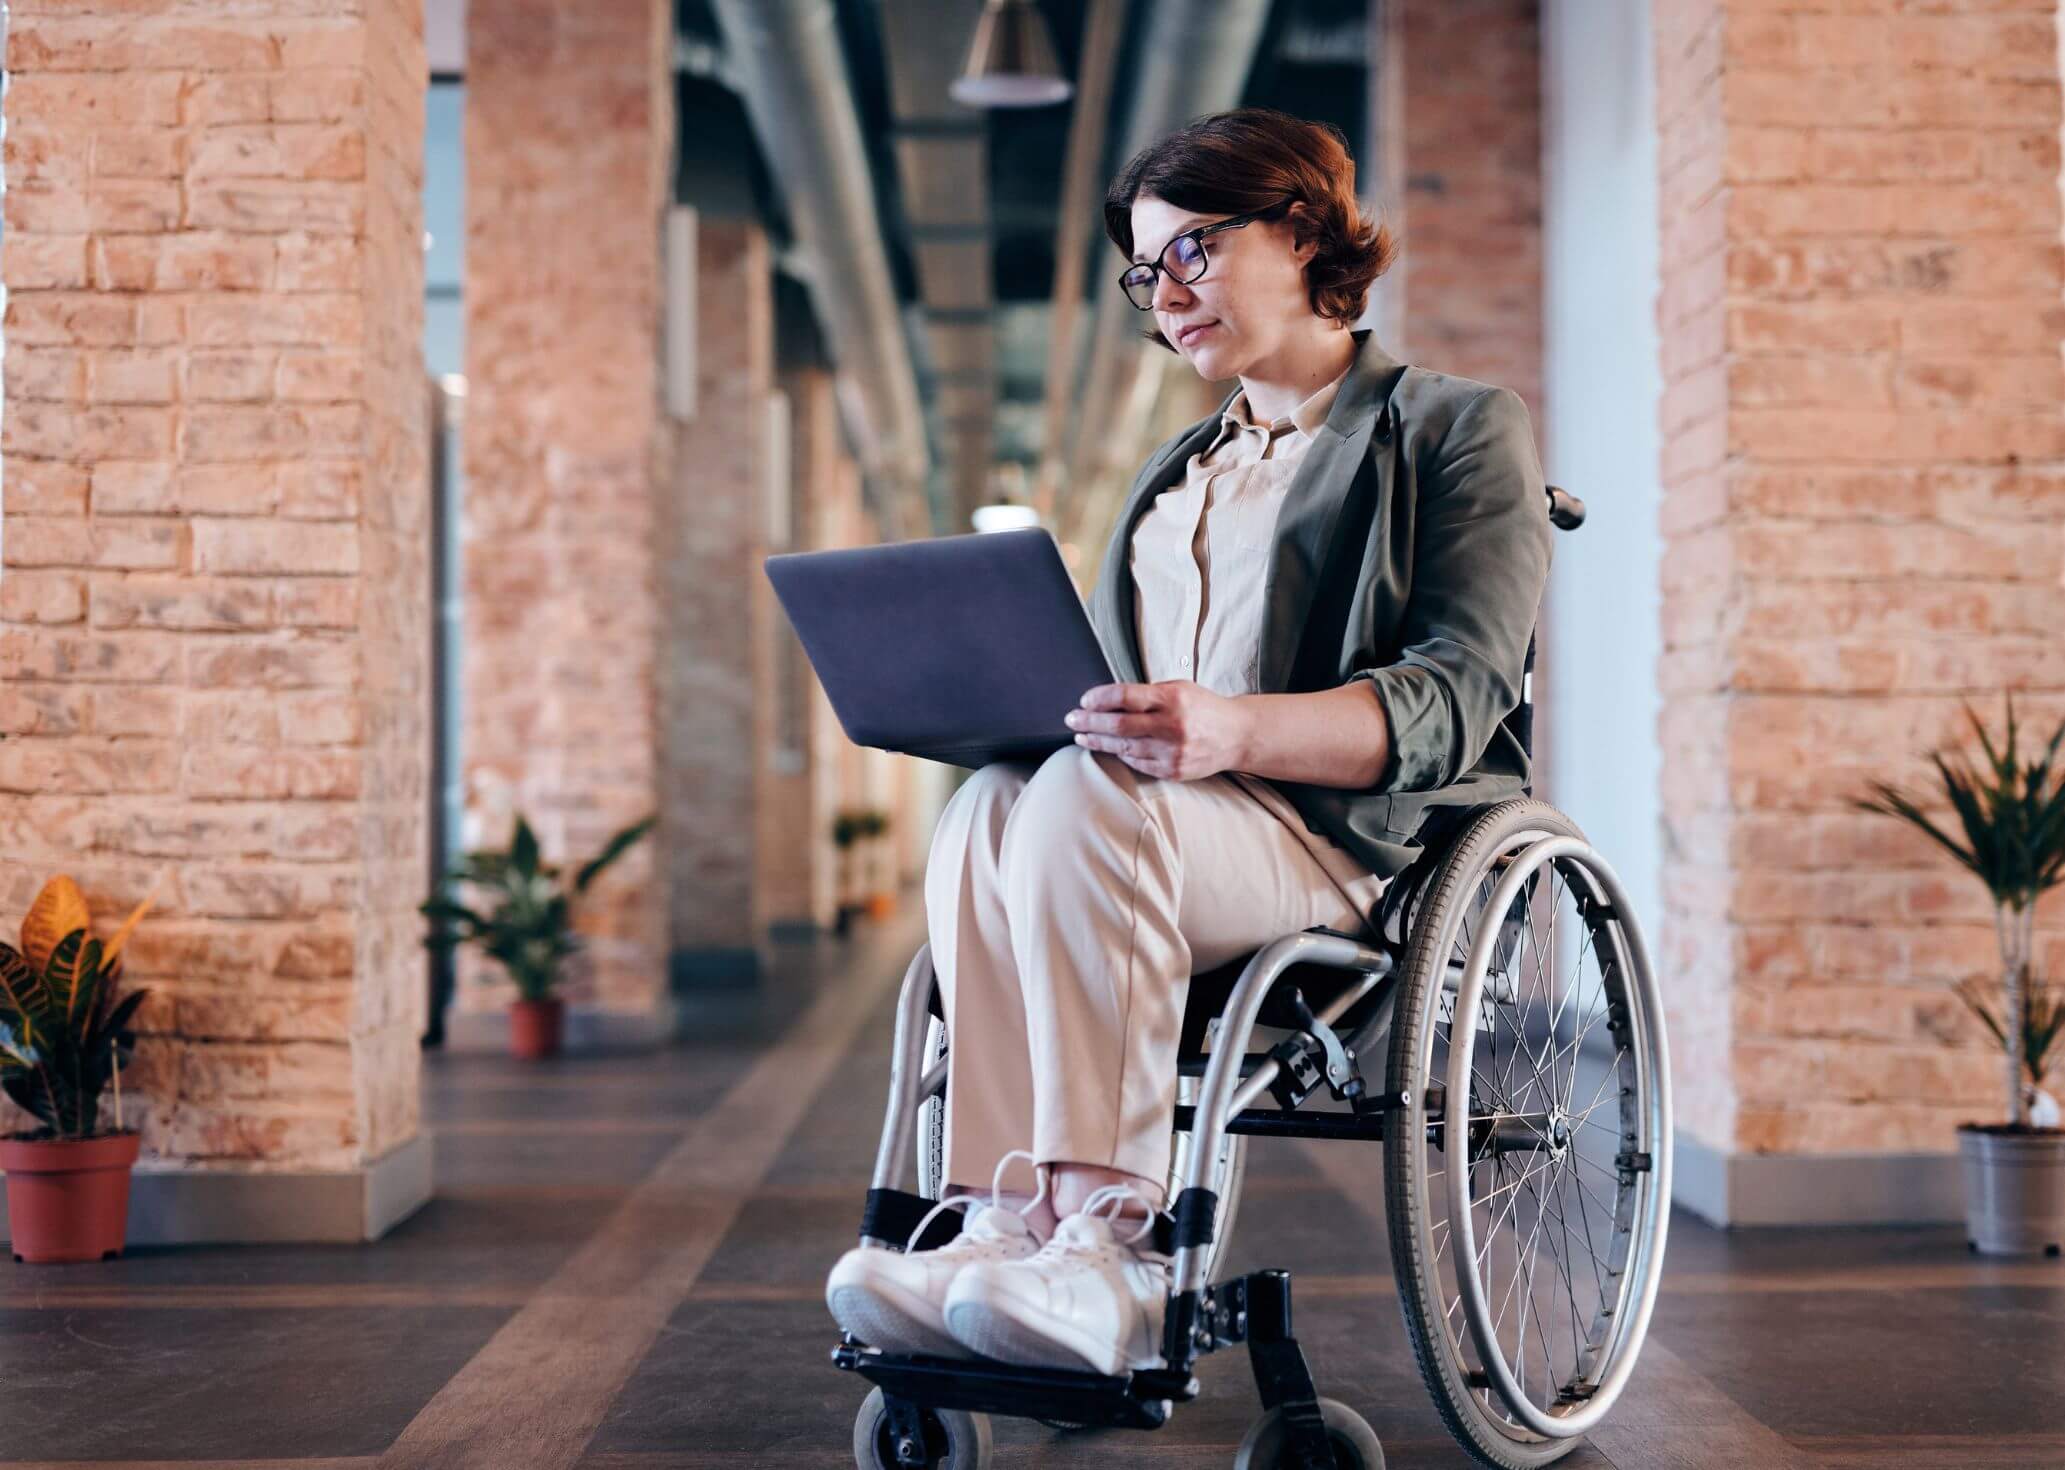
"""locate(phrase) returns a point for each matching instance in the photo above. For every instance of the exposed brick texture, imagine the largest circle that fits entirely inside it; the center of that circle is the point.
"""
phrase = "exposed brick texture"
(1457, 171)
(1861, 322)
(1463, 179)
(213, 592)
(793, 824)
(568, 144)
(715, 539)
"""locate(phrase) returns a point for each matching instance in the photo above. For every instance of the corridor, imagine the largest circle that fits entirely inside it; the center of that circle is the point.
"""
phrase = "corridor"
(622, 1270)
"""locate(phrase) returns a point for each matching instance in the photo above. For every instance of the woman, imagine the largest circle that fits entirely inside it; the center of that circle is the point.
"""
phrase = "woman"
(1318, 603)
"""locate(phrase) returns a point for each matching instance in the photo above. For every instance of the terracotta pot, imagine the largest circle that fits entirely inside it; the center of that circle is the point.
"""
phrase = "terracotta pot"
(68, 1199)
(534, 1028)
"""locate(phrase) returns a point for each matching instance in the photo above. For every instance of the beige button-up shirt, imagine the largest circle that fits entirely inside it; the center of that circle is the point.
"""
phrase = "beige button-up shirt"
(1200, 559)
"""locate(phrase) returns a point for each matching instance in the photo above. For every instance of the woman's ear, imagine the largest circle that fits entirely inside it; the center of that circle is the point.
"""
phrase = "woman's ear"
(1304, 233)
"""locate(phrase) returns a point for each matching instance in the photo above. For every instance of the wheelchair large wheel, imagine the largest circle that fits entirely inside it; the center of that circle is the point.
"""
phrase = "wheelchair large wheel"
(1527, 1187)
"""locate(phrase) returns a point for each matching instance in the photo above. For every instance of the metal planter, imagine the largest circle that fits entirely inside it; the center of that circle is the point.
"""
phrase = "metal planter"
(2014, 1191)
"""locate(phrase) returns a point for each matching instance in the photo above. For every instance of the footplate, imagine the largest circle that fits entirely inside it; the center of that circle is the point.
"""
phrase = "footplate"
(1139, 1400)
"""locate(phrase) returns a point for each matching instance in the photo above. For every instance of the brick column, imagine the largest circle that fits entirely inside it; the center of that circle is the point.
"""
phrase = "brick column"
(839, 521)
(1861, 338)
(569, 139)
(796, 818)
(1455, 161)
(1458, 94)
(213, 608)
(715, 540)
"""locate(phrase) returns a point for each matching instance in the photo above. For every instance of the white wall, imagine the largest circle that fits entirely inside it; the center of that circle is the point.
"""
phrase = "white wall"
(1601, 390)
(444, 35)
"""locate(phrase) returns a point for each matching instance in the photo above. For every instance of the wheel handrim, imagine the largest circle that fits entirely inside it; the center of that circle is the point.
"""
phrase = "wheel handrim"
(1543, 1195)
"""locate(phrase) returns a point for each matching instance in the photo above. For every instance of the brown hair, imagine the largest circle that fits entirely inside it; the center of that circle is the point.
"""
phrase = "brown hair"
(1256, 158)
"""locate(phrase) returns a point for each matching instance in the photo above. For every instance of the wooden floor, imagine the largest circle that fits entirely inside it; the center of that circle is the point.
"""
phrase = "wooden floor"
(624, 1263)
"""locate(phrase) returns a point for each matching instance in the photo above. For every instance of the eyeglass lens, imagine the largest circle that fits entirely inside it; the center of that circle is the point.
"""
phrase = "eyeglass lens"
(1183, 258)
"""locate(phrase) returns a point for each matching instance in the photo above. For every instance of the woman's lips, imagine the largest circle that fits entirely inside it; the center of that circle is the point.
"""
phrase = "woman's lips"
(1190, 334)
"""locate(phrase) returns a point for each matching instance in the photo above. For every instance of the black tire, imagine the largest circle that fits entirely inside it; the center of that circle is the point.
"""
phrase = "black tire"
(954, 1439)
(1354, 1442)
(1443, 911)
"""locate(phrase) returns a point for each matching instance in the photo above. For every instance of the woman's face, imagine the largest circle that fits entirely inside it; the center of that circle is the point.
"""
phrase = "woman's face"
(1252, 291)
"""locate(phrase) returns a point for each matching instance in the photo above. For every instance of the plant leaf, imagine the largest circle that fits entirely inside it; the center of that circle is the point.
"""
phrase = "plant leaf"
(111, 952)
(117, 1019)
(523, 848)
(22, 990)
(612, 850)
(72, 975)
(16, 1049)
(58, 910)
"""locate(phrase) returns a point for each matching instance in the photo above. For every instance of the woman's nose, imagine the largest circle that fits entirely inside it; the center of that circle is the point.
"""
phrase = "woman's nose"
(1170, 294)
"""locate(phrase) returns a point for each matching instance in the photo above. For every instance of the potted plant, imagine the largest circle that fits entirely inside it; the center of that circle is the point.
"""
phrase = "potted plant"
(848, 828)
(2011, 817)
(63, 1035)
(528, 929)
(881, 893)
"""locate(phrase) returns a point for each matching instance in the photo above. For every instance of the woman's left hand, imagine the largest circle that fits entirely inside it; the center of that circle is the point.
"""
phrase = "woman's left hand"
(1177, 730)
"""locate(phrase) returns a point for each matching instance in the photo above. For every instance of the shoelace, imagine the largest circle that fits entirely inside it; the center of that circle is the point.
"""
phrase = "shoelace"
(1116, 1196)
(996, 1195)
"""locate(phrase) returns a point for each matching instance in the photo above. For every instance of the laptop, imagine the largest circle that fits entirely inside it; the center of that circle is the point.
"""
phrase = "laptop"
(959, 649)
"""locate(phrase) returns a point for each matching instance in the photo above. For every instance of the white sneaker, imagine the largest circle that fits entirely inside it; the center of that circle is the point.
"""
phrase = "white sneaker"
(1089, 1298)
(895, 1300)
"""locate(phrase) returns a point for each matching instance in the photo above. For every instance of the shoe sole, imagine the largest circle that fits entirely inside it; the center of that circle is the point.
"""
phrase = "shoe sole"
(992, 1329)
(882, 1316)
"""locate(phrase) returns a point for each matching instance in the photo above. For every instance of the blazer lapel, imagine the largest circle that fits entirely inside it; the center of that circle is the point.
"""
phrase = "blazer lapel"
(1312, 505)
(1304, 524)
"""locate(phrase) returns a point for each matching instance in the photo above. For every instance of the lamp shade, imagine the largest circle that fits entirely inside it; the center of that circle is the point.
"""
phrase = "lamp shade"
(1011, 60)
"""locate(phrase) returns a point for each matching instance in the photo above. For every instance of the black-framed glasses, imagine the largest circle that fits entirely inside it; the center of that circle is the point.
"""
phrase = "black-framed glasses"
(1183, 258)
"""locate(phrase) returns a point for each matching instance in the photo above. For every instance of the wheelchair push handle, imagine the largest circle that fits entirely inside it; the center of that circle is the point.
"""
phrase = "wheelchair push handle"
(1566, 511)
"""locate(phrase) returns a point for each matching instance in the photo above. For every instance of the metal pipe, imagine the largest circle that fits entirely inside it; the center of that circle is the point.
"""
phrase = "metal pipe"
(899, 1121)
(1081, 198)
(1196, 56)
(1218, 1097)
(787, 57)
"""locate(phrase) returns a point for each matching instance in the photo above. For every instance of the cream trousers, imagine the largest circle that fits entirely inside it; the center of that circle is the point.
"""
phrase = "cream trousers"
(1069, 901)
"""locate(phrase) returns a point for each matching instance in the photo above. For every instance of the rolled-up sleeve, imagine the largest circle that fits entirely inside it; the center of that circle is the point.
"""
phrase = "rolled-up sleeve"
(1480, 562)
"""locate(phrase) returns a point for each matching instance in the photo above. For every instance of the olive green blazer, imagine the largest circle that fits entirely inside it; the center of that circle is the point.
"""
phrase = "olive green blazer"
(1411, 550)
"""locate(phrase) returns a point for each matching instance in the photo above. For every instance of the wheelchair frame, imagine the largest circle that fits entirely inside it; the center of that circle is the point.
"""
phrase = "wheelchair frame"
(1324, 1047)
(1254, 1309)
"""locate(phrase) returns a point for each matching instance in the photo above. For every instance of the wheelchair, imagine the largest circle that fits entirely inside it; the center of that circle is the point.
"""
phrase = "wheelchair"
(1523, 1109)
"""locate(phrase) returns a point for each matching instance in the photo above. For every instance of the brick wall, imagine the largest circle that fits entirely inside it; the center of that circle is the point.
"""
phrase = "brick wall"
(1465, 178)
(794, 842)
(1860, 319)
(715, 540)
(568, 143)
(212, 588)
(1455, 165)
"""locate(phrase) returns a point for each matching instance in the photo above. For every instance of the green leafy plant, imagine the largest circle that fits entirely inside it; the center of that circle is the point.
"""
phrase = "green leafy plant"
(857, 823)
(527, 926)
(2043, 1023)
(63, 1033)
(2010, 816)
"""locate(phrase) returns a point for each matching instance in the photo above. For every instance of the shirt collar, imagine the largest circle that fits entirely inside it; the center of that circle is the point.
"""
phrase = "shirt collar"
(1305, 418)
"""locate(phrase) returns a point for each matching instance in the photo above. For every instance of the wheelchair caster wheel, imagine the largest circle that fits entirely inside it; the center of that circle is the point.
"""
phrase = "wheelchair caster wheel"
(954, 1439)
(1354, 1442)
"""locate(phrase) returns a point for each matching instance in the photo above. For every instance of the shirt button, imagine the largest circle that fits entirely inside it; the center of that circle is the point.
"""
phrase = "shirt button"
(1186, 660)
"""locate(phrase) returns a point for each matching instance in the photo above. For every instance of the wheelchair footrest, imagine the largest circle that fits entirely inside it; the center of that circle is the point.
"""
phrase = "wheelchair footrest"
(1139, 1400)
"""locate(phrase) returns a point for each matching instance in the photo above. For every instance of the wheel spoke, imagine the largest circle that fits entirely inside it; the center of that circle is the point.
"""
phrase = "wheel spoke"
(1536, 1149)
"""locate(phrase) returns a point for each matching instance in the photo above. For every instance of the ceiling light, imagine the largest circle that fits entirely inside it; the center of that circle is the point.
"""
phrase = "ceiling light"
(1011, 61)
(1004, 517)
